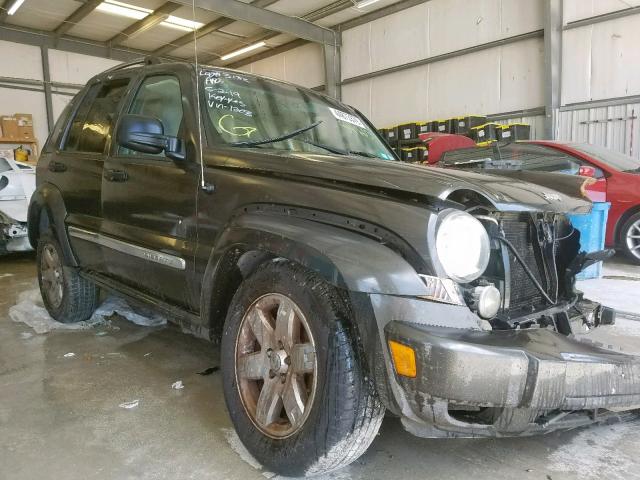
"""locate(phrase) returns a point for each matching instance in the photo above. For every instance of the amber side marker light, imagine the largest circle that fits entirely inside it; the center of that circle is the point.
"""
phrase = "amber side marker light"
(404, 359)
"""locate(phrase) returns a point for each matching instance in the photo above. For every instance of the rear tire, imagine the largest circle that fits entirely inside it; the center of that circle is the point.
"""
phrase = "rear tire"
(342, 413)
(67, 296)
(630, 238)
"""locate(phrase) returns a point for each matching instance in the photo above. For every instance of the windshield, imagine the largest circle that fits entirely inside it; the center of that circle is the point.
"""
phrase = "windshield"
(247, 111)
(619, 161)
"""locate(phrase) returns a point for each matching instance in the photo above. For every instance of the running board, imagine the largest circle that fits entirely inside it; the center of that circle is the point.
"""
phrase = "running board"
(186, 320)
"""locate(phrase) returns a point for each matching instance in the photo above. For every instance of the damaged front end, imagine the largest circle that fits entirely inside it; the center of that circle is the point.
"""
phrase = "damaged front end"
(504, 354)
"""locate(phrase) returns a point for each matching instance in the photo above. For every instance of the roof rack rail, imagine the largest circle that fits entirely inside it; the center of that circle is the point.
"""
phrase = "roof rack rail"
(150, 60)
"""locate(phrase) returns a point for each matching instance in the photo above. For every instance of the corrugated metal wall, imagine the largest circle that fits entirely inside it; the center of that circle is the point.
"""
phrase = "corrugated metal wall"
(500, 79)
(616, 127)
(600, 67)
(303, 65)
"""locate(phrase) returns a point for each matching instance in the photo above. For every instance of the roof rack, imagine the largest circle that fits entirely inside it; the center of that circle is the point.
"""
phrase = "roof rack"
(150, 60)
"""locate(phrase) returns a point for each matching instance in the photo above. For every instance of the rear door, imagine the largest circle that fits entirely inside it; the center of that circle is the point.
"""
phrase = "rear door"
(149, 201)
(76, 166)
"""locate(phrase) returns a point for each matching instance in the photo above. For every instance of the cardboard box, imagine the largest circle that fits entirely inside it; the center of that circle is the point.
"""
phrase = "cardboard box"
(9, 127)
(25, 133)
(24, 119)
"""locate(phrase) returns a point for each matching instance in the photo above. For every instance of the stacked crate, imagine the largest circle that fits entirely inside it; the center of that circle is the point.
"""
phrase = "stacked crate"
(403, 139)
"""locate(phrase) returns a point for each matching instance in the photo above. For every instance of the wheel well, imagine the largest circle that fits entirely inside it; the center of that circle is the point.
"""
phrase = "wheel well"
(622, 220)
(233, 268)
(37, 225)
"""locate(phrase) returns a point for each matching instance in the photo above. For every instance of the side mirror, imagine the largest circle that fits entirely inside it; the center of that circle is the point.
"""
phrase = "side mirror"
(587, 171)
(146, 135)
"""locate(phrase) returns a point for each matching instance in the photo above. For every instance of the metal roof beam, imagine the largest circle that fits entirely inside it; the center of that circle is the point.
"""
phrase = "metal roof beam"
(264, 35)
(271, 20)
(79, 14)
(210, 27)
(40, 38)
(158, 16)
(274, 51)
(380, 13)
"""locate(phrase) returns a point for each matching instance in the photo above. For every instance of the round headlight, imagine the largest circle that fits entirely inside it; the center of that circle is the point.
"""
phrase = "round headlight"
(462, 245)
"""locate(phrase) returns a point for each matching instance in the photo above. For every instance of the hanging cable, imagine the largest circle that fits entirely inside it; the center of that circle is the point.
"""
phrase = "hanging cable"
(198, 106)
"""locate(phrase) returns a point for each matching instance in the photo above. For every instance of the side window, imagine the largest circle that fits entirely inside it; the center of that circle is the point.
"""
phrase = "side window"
(160, 97)
(93, 121)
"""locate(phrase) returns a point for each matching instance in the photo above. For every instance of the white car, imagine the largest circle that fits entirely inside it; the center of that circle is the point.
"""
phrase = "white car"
(17, 183)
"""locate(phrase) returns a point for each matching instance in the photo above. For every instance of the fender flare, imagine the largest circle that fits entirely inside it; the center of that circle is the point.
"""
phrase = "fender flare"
(345, 259)
(48, 199)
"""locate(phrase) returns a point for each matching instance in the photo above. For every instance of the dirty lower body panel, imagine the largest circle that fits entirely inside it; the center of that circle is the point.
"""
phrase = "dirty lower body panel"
(510, 383)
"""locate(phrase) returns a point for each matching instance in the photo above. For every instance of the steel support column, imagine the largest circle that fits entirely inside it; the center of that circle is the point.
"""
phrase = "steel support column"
(332, 70)
(552, 65)
(46, 77)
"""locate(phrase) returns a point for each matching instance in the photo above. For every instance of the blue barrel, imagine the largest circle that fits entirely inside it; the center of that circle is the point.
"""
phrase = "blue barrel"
(592, 228)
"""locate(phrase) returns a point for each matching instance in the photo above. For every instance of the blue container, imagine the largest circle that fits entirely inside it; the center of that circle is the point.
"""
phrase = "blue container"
(592, 228)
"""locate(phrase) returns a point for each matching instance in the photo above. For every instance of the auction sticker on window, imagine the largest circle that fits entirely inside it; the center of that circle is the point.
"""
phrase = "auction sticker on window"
(347, 117)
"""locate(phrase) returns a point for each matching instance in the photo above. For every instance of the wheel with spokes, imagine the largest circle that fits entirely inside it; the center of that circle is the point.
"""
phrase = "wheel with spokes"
(276, 365)
(66, 295)
(296, 392)
(630, 238)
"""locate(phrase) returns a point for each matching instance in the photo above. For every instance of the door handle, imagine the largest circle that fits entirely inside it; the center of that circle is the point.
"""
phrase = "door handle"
(116, 175)
(57, 167)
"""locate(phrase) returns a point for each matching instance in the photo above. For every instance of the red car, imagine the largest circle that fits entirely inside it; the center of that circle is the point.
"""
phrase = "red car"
(617, 178)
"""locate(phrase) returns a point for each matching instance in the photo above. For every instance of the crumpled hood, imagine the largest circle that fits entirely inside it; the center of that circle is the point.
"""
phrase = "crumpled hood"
(506, 194)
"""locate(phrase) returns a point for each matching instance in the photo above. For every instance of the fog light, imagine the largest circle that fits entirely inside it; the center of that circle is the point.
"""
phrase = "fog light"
(487, 301)
(404, 359)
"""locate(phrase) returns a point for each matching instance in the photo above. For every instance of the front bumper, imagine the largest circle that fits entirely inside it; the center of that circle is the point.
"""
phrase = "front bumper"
(507, 383)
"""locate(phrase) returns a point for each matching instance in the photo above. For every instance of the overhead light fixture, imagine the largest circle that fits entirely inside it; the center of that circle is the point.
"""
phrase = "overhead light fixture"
(365, 3)
(243, 50)
(182, 23)
(138, 13)
(123, 9)
(14, 8)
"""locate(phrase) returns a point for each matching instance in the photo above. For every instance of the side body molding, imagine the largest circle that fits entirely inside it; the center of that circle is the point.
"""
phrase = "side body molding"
(47, 199)
(345, 259)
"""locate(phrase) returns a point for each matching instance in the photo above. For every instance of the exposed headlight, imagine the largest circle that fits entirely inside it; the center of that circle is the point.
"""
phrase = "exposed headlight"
(462, 246)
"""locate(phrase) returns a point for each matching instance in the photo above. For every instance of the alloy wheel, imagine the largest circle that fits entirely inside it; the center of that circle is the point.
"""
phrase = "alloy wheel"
(633, 239)
(52, 275)
(276, 365)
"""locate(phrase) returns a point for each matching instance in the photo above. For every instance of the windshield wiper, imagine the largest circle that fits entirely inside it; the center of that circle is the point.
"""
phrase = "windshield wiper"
(286, 136)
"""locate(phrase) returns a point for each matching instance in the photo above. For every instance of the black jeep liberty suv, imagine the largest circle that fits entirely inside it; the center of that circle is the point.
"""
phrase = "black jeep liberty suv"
(340, 281)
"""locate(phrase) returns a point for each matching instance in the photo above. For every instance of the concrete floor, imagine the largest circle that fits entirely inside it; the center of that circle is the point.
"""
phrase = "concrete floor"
(60, 416)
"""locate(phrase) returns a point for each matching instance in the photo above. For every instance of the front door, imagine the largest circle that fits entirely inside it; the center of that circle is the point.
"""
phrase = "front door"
(149, 201)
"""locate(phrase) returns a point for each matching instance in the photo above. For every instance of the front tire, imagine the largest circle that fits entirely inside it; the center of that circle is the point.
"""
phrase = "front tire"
(293, 379)
(67, 296)
(630, 238)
